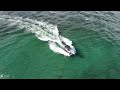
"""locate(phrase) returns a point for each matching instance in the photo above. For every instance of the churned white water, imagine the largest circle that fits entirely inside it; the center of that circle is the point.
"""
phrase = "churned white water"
(43, 31)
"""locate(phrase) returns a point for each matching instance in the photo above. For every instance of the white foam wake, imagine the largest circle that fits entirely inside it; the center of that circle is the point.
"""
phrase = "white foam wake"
(43, 31)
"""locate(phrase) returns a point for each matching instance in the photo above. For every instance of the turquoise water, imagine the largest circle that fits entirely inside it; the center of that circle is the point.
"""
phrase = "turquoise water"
(95, 35)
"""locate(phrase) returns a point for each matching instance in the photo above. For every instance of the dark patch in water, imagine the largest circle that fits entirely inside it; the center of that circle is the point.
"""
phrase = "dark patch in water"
(78, 53)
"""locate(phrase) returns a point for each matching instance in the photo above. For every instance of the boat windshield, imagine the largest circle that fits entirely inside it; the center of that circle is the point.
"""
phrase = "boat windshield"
(67, 47)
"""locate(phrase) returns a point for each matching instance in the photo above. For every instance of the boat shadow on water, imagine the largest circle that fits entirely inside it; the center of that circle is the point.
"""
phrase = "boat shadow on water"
(78, 54)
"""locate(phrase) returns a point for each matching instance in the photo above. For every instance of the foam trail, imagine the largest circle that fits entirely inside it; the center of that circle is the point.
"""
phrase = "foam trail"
(43, 31)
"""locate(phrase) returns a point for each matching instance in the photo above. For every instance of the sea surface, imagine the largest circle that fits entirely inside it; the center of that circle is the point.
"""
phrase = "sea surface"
(95, 36)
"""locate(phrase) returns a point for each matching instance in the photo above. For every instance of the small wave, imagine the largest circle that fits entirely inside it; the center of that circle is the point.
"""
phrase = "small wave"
(43, 31)
(3, 76)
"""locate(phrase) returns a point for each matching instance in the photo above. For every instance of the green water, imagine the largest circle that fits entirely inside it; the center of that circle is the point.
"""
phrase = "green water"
(23, 56)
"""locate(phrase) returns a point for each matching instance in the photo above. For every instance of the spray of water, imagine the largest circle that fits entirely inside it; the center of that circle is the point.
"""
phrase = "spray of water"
(43, 31)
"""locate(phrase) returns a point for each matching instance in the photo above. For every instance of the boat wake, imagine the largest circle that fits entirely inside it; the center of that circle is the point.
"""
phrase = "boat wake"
(44, 31)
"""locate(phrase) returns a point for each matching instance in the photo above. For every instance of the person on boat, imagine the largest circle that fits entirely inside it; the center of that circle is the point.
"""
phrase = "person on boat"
(67, 48)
